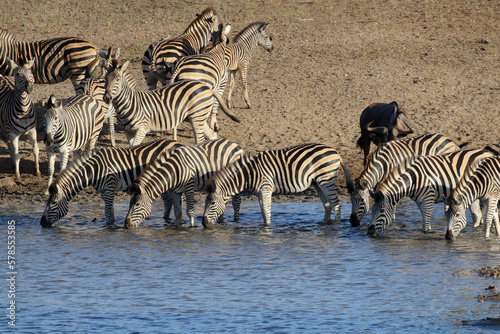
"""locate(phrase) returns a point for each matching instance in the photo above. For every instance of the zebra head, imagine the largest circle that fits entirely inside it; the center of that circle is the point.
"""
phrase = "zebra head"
(215, 205)
(139, 208)
(455, 216)
(114, 81)
(360, 199)
(51, 119)
(24, 79)
(57, 207)
(263, 39)
(382, 213)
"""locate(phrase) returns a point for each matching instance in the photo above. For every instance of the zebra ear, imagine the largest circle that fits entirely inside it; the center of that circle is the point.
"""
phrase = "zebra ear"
(29, 63)
(117, 54)
(53, 189)
(363, 184)
(133, 189)
(124, 66)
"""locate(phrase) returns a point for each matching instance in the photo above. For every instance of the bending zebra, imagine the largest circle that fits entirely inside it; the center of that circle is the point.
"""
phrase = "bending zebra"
(161, 109)
(386, 158)
(209, 67)
(186, 171)
(70, 125)
(239, 52)
(55, 59)
(17, 114)
(480, 182)
(160, 57)
(425, 181)
(108, 171)
(285, 171)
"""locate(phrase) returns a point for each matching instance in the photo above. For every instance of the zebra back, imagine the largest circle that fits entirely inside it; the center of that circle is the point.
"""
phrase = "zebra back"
(159, 58)
(386, 158)
(56, 59)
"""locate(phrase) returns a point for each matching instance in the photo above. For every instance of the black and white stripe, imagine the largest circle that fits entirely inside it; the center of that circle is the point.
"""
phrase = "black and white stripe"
(71, 125)
(426, 180)
(282, 171)
(186, 171)
(162, 109)
(238, 55)
(17, 113)
(108, 171)
(386, 158)
(56, 59)
(480, 182)
(160, 57)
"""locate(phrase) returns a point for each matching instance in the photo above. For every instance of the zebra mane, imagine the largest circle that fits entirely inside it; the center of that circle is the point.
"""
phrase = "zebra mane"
(234, 166)
(469, 174)
(248, 30)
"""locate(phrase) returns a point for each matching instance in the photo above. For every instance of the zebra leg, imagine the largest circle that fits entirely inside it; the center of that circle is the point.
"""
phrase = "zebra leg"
(208, 133)
(139, 136)
(243, 73)
(51, 157)
(32, 139)
(197, 126)
(130, 137)
(177, 200)
(330, 200)
(426, 206)
(232, 76)
(14, 153)
(111, 123)
(496, 217)
(476, 212)
(265, 199)
(491, 216)
(109, 197)
(167, 204)
(189, 193)
(236, 207)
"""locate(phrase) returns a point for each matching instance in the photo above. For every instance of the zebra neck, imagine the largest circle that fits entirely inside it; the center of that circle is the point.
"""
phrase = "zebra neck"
(124, 101)
(77, 176)
(24, 107)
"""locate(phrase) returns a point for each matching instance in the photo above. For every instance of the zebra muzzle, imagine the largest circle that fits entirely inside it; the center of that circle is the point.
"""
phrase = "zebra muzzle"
(206, 223)
(48, 140)
(44, 222)
(449, 235)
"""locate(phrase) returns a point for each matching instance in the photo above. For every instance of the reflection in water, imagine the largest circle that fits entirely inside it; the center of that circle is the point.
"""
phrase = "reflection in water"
(297, 275)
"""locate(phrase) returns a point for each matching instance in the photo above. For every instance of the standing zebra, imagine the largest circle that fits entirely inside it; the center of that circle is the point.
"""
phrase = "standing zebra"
(425, 181)
(72, 125)
(160, 57)
(161, 109)
(239, 52)
(108, 171)
(186, 171)
(209, 67)
(56, 59)
(386, 158)
(284, 171)
(481, 181)
(17, 113)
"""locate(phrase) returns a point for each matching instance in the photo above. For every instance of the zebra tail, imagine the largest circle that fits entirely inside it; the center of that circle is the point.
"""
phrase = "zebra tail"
(348, 180)
(224, 107)
(89, 72)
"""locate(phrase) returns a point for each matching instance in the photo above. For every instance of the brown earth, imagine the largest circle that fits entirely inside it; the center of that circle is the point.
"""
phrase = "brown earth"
(438, 59)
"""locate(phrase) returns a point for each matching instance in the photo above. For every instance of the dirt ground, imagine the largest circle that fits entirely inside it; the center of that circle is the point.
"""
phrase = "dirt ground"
(438, 59)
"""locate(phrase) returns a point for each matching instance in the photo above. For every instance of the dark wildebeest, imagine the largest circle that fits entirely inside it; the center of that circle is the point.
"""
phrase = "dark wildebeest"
(380, 123)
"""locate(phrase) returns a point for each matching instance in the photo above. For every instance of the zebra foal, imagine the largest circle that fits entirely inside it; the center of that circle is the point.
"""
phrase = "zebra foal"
(161, 109)
(160, 57)
(283, 171)
(56, 59)
(71, 125)
(481, 181)
(185, 171)
(425, 181)
(386, 158)
(17, 113)
(109, 170)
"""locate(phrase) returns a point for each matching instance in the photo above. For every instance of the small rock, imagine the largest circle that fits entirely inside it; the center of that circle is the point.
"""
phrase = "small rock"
(7, 182)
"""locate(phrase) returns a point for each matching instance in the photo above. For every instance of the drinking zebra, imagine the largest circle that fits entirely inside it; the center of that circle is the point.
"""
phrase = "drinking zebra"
(17, 113)
(162, 109)
(186, 171)
(425, 181)
(109, 170)
(71, 125)
(386, 158)
(239, 52)
(283, 171)
(209, 67)
(161, 56)
(480, 182)
(56, 59)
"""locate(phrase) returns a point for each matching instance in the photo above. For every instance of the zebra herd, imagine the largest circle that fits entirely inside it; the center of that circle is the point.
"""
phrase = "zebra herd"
(193, 70)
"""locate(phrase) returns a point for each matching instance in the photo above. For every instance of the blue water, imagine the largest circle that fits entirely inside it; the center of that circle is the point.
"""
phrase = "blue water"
(298, 275)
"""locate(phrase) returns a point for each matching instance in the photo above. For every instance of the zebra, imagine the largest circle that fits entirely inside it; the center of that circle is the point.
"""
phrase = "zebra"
(281, 171)
(209, 67)
(160, 57)
(186, 171)
(56, 59)
(109, 170)
(238, 54)
(386, 158)
(17, 113)
(162, 109)
(481, 181)
(425, 181)
(70, 125)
